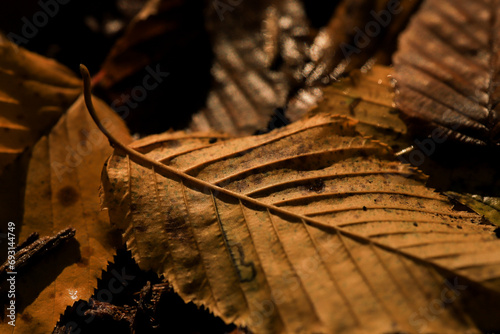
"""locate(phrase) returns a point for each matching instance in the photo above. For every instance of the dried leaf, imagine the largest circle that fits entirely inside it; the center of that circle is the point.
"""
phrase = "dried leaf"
(367, 97)
(32, 249)
(258, 47)
(487, 206)
(34, 92)
(360, 33)
(309, 228)
(447, 71)
(61, 190)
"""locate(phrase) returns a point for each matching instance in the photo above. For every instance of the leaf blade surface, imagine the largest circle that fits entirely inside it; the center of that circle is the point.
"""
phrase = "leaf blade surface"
(316, 225)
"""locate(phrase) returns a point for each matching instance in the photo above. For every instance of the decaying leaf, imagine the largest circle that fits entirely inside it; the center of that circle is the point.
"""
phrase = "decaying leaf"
(447, 71)
(487, 206)
(61, 190)
(360, 33)
(366, 96)
(32, 249)
(309, 228)
(312, 228)
(34, 92)
(259, 47)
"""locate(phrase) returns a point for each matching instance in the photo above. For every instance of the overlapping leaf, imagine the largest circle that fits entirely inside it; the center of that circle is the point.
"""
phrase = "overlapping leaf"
(258, 48)
(61, 190)
(487, 206)
(34, 92)
(367, 97)
(360, 33)
(310, 228)
(447, 70)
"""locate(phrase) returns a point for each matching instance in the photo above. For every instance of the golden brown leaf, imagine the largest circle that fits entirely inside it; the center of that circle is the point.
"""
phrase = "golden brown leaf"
(366, 96)
(34, 92)
(61, 190)
(309, 228)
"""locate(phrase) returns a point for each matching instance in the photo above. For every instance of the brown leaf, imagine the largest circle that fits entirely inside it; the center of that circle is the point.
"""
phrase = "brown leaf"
(259, 46)
(447, 71)
(360, 33)
(366, 96)
(34, 92)
(61, 190)
(309, 228)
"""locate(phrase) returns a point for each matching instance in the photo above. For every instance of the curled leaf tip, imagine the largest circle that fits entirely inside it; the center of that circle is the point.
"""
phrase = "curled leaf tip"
(84, 71)
(87, 93)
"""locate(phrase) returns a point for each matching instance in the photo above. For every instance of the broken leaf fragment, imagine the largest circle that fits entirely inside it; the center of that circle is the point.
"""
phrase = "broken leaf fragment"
(487, 206)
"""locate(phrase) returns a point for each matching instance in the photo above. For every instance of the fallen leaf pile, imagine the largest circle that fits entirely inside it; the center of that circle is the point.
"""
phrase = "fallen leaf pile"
(281, 178)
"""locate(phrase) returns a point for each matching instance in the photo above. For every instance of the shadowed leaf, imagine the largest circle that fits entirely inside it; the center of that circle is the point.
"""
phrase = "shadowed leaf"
(34, 92)
(447, 71)
(259, 47)
(159, 28)
(359, 34)
(164, 37)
